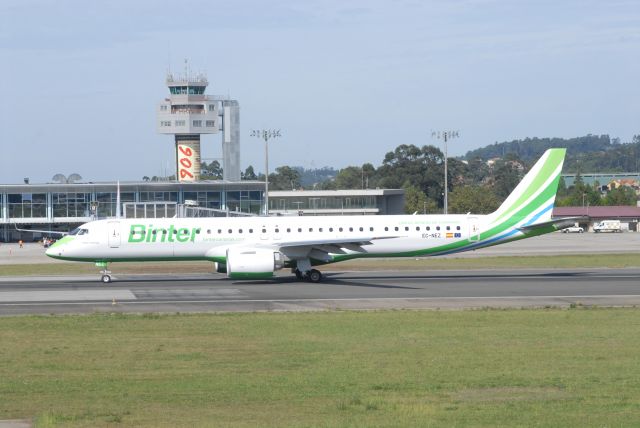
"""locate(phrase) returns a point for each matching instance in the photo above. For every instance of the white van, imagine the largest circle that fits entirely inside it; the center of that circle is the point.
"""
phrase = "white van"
(607, 226)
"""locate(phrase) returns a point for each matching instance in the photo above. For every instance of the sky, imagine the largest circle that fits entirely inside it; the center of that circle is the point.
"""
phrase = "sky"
(345, 81)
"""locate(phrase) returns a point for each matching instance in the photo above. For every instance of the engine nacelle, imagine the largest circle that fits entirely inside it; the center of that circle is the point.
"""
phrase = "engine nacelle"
(253, 263)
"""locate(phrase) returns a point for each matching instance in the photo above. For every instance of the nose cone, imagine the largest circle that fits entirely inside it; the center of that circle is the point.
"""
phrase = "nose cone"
(58, 248)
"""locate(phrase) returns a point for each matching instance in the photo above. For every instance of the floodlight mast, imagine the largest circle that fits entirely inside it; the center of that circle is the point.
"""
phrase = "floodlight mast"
(266, 135)
(445, 136)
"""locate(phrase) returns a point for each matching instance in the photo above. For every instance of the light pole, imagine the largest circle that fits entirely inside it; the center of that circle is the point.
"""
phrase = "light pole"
(445, 136)
(266, 135)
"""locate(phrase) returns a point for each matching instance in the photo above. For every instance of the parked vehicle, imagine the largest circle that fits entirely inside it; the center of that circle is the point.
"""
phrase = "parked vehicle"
(607, 226)
(573, 229)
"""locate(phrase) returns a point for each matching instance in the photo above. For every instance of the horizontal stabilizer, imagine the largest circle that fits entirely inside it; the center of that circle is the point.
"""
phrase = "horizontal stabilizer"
(558, 223)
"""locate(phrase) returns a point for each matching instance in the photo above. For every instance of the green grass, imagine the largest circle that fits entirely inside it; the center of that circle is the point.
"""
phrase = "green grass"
(576, 367)
(556, 261)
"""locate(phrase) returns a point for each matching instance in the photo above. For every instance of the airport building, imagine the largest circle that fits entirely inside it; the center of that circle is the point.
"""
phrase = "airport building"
(62, 207)
(627, 215)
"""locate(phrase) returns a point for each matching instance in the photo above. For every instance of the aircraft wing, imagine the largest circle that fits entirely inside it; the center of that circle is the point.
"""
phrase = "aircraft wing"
(320, 248)
(51, 232)
(558, 223)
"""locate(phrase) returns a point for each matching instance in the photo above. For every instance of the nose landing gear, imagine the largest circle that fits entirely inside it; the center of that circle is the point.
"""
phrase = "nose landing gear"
(106, 274)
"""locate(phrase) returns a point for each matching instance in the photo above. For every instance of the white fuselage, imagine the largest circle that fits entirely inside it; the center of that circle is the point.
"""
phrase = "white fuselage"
(209, 238)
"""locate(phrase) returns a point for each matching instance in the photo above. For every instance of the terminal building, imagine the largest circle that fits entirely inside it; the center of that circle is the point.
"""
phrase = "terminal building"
(28, 211)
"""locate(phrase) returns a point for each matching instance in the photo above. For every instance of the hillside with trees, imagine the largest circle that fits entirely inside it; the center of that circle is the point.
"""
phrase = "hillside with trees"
(478, 182)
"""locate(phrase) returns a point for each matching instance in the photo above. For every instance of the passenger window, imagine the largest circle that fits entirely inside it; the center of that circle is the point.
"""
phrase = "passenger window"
(311, 229)
(320, 230)
(230, 231)
(331, 229)
(361, 229)
(351, 229)
(277, 230)
(371, 229)
(250, 230)
(264, 230)
(288, 230)
(428, 228)
(239, 230)
(406, 228)
(219, 230)
(448, 227)
(457, 227)
(208, 231)
(396, 228)
(437, 227)
(299, 229)
(418, 228)
(386, 229)
(340, 229)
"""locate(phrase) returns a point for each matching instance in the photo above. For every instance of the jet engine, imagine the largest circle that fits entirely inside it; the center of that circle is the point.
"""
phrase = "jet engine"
(253, 263)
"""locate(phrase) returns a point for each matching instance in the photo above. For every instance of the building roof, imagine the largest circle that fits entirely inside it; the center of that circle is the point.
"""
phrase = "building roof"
(599, 212)
(329, 193)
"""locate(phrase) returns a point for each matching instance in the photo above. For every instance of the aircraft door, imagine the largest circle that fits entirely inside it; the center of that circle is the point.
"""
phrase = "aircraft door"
(114, 234)
(474, 229)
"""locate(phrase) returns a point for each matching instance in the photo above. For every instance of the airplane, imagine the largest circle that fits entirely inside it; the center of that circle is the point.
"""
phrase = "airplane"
(257, 247)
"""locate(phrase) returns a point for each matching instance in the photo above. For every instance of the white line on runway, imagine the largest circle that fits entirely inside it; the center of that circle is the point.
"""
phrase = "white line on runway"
(64, 295)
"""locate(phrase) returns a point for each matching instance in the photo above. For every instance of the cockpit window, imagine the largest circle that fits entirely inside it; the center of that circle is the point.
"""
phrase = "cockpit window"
(79, 231)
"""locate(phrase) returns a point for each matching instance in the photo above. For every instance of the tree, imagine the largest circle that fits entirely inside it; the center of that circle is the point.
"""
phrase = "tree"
(249, 174)
(473, 199)
(414, 200)
(211, 171)
(621, 196)
(285, 178)
(506, 175)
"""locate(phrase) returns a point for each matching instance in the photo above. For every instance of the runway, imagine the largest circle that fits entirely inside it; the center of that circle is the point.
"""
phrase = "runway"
(350, 290)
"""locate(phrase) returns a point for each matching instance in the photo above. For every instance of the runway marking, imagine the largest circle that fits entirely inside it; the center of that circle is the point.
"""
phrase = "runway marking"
(64, 295)
(135, 301)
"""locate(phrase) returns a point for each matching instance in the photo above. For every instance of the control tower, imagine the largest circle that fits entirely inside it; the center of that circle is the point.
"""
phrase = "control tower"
(188, 113)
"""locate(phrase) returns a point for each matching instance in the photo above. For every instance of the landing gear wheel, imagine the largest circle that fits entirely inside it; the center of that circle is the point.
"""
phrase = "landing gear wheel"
(314, 275)
(106, 278)
(299, 275)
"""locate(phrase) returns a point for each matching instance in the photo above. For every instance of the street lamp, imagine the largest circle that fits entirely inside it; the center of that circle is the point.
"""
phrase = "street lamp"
(266, 135)
(445, 136)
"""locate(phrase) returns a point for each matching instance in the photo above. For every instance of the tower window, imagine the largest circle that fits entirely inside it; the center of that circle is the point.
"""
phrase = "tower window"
(210, 123)
(197, 123)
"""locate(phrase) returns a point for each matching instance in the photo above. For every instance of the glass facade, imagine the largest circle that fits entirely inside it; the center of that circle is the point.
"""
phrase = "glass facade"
(205, 199)
(321, 203)
(158, 197)
(27, 205)
(190, 90)
(245, 201)
(71, 204)
(47, 204)
(107, 202)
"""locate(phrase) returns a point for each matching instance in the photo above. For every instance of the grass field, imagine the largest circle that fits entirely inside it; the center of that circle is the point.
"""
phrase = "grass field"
(555, 261)
(576, 367)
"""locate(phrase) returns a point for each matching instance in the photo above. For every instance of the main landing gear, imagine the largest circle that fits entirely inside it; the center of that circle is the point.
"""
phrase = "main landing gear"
(106, 274)
(312, 275)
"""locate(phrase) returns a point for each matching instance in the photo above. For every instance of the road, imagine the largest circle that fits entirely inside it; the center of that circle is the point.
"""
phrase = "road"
(351, 290)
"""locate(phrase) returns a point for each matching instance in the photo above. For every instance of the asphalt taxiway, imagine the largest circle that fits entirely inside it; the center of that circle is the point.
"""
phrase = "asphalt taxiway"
(348, 290)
